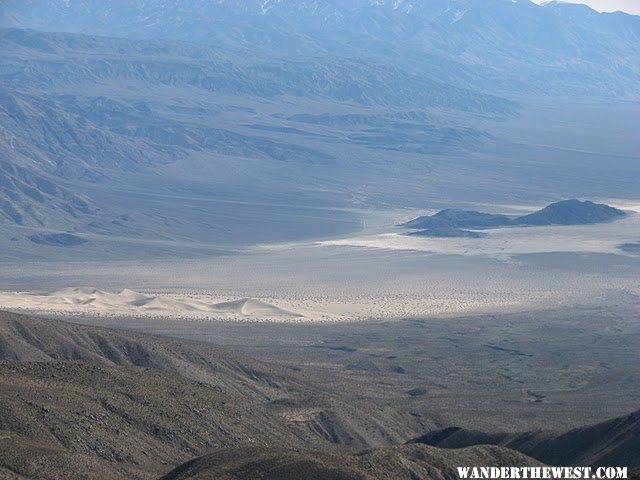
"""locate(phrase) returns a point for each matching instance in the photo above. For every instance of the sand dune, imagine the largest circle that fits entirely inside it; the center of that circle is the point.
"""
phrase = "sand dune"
(98, 298)
(249, 306)
(90, 300)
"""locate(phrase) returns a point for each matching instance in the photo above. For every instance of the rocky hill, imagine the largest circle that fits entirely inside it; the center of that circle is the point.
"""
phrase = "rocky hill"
(567, 212)
(615, 442)
(409, 462)
(571, 212)
(82, 402)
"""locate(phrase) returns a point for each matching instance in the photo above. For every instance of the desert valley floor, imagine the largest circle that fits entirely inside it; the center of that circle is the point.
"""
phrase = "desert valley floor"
(363, 341)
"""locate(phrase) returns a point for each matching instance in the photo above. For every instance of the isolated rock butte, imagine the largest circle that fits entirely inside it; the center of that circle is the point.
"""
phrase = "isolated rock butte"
(566, 212)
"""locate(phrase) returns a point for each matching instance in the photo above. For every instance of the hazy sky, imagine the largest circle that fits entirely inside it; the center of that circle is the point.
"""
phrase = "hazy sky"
(630, 6)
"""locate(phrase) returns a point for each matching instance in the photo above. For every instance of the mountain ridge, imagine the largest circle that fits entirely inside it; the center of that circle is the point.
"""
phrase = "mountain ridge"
(400, 463)
(312, 27)
(610, 443)
(339, 105)
(89, 402)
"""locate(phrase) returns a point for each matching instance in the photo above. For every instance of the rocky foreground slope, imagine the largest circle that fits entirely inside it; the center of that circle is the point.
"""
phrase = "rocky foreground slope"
(408, 462)
(86, 402)
(81, 402)
(611, 443)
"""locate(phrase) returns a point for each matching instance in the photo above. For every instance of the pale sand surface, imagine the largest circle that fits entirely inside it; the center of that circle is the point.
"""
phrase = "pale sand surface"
(96, 302)
(347, 284)
(201, 306)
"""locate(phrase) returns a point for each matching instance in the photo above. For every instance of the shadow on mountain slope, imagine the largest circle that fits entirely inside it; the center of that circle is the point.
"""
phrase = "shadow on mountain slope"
(614, 442)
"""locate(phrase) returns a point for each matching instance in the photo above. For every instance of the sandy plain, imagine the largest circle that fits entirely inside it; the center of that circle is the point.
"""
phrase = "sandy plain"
(378, 274)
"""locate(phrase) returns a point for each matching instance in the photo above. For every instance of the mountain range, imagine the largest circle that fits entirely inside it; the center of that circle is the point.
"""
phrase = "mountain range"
(194, 122)
(461, 39)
